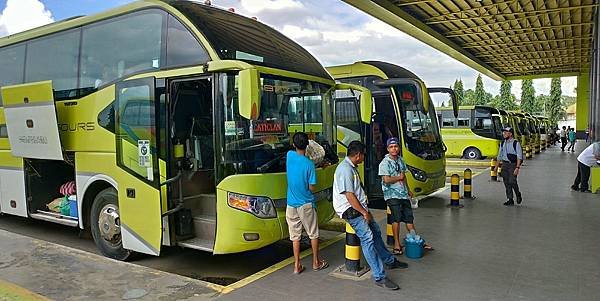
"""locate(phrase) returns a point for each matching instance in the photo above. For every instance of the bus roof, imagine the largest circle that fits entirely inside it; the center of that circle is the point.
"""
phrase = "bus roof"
(230, 35)
(382, 69)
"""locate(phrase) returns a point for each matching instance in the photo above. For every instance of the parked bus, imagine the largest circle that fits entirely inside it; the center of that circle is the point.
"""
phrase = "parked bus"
(475, 134)
(523, 129)
(170, 118)
(401, 108)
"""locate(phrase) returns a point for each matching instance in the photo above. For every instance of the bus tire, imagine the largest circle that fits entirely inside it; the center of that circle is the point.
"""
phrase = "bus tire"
(472, 153)
(105, 224)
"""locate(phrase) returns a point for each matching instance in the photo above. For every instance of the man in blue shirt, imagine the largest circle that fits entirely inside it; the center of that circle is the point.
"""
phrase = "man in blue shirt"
(511, 156)
(300, 211)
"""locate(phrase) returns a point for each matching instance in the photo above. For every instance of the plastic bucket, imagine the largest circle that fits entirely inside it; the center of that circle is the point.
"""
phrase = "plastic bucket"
(413, 250)
(73, 208)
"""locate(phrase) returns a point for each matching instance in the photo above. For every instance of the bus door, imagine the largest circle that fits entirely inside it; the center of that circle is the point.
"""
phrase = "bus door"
(140, 205)
(384, 125)
(32, 133)
(191, 139)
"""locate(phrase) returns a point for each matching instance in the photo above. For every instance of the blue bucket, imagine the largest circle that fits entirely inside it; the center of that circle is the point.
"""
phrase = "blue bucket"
(73, 208)
(413, 250)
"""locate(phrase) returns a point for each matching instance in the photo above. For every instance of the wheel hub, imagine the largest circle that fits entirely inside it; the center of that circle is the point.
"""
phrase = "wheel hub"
(109, 223)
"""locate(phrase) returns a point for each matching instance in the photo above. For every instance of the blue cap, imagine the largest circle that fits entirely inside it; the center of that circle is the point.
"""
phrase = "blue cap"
(392, 140)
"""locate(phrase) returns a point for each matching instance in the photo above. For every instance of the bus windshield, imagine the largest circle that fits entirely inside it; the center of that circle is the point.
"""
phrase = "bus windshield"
(421, 132)
(287, 106)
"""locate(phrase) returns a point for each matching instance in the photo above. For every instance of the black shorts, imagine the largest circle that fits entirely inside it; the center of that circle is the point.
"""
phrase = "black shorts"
(401, 211)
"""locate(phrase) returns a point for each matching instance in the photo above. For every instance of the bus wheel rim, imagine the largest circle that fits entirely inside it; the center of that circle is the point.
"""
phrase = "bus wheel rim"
(109, 223)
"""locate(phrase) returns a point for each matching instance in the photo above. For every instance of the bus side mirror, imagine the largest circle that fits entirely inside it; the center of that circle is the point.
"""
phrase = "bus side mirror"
(365, 100)
(452, 97)
(249, 93)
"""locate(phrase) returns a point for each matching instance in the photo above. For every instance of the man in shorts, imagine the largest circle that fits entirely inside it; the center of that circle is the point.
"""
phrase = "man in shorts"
(392, 170)
(300, 211)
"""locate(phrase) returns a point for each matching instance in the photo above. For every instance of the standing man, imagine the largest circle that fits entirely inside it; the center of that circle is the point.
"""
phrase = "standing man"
(572, 136)
(511, 156)
(588, 158)
(350, 203)
(392, 170)
(300, 210)
(563, 138)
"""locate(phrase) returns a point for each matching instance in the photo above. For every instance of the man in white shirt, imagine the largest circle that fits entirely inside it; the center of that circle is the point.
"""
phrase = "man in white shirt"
(563, 138)
(585, 161)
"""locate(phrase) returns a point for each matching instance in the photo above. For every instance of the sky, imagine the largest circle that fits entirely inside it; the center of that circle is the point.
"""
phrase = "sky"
(333, 31)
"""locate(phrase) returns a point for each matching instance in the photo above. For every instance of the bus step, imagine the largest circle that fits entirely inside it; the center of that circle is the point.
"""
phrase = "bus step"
(205, 231)
(198, 244)
(55, 218)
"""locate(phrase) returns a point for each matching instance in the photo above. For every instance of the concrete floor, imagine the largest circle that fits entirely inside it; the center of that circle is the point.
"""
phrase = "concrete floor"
(545, 249)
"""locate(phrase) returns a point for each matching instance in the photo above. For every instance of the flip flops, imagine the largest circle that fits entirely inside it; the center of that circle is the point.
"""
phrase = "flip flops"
(397, 251)
(300, 270)
(322, 265)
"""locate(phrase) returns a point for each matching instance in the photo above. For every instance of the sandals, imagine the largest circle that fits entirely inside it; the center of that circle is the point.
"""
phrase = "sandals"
(397, 251)
(427, 247)
(300, 270)
(322, 265)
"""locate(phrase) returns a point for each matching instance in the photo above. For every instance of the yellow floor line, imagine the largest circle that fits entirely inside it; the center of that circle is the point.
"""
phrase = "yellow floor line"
(277, 266)
(13, 292)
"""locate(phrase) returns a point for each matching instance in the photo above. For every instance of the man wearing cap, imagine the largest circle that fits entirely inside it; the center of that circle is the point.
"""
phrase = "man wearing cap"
(392, 171)
(511, 156)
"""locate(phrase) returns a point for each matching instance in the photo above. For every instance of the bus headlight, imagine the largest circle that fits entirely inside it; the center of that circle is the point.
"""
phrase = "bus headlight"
(418, 174)
(262, 207)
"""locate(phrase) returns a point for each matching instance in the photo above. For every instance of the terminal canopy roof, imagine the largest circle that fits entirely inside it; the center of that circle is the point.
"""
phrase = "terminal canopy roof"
(500, 38)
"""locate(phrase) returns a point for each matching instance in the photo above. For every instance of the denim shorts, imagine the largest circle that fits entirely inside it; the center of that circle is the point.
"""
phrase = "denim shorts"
(401, 211)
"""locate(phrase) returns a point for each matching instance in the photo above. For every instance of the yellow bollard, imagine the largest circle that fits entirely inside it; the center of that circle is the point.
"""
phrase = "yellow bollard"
(352, 250)
(528, 152)
(388, 229)
(454, 191)
(467, 184)
(500, 171)
(493, 172)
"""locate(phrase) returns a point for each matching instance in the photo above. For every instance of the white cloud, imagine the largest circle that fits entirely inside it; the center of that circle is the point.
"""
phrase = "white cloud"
(21, 15)
(257, 6)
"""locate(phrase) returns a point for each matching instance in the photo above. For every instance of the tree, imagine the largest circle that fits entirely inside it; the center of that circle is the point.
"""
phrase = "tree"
(528, 97)
(507, 100)
(541, 102)
(555, 108)
(459, 91)
(469, 98)
(480, 95)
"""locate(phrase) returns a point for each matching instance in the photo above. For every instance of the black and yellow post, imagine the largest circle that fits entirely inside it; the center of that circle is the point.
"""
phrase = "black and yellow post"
(493, 172)
(467, 186)
(528, 154)
(388, 229)
(351, 267)
(500, 170)
(455, 191)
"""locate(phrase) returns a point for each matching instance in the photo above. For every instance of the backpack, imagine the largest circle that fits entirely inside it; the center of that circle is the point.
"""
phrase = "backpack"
(510, 156)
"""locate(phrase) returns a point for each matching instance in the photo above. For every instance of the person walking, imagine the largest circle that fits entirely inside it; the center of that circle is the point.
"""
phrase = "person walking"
(563, 138)
(588, 158)
(511, 156)
(572, 136)
(300, 211)
(392, 171)
(350, 203)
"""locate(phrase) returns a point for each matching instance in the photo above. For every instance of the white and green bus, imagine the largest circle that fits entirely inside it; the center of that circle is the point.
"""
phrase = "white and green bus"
(476, 132)
(172, 118)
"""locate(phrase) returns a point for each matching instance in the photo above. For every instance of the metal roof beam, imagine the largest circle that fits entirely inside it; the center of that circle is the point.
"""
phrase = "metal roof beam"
(484, 43)
(523, 30)
(467, 14)
(533, 13)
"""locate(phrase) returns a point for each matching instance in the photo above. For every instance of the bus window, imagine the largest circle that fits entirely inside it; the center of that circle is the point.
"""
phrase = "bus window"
(119, 47)
(347, 116)
(182, 47)
(464, 119)
(55, 58)
(12, 62)
(448, 119)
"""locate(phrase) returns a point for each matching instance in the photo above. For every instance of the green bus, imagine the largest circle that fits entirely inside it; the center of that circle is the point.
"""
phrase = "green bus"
(172, 119)
(402, 108)
(475, 134)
